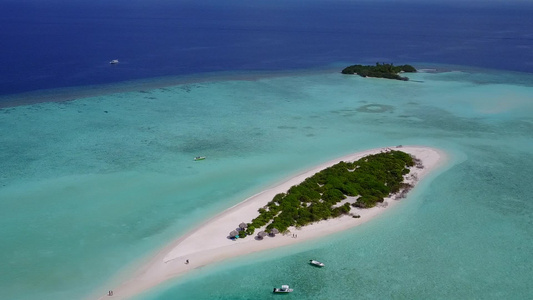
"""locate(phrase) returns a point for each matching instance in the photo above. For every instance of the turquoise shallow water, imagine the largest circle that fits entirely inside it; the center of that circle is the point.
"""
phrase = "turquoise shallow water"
(91, 186)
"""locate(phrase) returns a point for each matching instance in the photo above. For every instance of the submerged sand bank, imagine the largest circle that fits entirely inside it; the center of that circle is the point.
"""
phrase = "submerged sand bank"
(209, 243)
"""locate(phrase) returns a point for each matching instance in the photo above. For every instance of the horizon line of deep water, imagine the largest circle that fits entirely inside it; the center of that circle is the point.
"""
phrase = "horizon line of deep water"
(65, 94)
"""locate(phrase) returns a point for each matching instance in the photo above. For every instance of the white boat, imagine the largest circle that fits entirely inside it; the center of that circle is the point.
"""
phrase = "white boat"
(199, 158)
(316, 263)
(284, 289)
(114, 62)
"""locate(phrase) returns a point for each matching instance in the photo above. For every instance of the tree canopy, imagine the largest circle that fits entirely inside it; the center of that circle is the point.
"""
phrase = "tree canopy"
(383, 70)
(370, 179)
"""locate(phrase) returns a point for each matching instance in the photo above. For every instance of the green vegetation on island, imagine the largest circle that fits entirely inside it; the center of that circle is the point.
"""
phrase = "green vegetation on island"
(368, 181)
(389, 71)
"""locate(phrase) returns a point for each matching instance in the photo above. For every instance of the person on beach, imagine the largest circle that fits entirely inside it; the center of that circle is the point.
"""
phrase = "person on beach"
(187, 262)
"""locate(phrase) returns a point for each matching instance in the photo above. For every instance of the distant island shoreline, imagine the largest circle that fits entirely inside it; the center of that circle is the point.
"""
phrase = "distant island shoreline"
(209, 243)
(383, 70)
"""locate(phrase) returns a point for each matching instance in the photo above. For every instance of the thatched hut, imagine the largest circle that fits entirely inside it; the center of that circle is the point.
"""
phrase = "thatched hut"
(273, 232)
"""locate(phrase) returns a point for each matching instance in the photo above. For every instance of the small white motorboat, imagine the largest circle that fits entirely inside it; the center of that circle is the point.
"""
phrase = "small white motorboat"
(199, 158)
(114, 62)
(284, 289)
(316, 263)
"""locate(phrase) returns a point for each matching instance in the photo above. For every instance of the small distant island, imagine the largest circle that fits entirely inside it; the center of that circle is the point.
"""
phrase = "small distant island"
(332, 192)
(384, 70)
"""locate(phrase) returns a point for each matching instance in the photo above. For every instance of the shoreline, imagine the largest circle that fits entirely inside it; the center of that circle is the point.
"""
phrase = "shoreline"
(209, 243)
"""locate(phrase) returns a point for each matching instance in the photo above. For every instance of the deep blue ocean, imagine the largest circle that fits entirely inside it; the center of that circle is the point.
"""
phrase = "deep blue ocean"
(51, 44)
(92, 187)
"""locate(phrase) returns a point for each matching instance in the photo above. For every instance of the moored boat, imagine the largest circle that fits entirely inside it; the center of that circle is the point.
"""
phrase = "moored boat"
(284, 289)
(199, 158)
(316, 263)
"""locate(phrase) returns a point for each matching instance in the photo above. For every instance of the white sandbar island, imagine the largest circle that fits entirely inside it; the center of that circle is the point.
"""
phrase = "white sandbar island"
(210, 243)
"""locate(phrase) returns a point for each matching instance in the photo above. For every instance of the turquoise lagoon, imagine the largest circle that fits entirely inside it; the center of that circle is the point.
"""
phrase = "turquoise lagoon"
(93, 186)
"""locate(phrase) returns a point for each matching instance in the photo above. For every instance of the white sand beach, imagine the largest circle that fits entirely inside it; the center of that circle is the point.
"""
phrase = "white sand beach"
(210, 243)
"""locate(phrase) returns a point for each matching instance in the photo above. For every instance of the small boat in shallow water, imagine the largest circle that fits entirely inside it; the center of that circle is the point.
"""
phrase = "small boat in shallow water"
(284, 289)
(316, 263)
(199, 158)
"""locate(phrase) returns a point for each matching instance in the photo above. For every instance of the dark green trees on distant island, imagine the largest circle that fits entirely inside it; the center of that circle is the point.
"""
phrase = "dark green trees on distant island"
(389, 71)
(368, 180)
